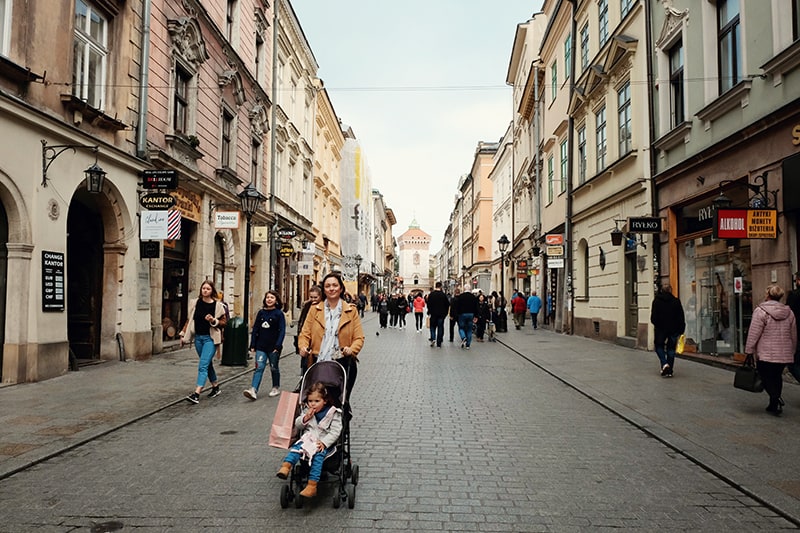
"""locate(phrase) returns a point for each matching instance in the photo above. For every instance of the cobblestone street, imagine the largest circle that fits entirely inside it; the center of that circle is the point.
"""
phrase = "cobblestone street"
(538, 432)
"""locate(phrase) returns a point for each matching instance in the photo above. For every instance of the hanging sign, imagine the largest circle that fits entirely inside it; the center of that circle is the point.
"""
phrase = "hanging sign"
(555, 250)
(287, 233)
(153, 225)
(159, 179)
(746, 224)
(226, 220)
(555, 262)
(157, 201)
(554, 239)
(644, 224)
(286, 250)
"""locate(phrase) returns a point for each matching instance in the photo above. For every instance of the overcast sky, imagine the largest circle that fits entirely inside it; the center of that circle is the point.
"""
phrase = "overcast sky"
(421, 82)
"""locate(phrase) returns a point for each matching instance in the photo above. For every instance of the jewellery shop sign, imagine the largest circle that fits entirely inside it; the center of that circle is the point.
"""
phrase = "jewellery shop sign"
(746, 224)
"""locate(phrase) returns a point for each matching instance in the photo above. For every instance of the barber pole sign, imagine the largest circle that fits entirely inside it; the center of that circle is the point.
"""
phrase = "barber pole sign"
(173, 224)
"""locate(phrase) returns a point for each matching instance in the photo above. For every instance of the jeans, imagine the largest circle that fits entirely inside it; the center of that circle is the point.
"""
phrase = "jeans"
(316, 461)
(419, 321)
(665, 348)
(205, 347)
(465, 327)
(437, 329)
(262, 359)
(453, 322)
(535, 320)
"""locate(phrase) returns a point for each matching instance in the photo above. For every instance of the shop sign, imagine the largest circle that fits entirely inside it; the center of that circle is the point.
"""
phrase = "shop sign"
(286, 250)
(52, 281)
(555, 251)
(554, 239)
(555, 262)
(644, 224)
(157, 201)
(522, 264)
(159, 179)
(188, 204)
(260, 233)
(153, 225)
(287, 233)
(746, 224)
(226, 220)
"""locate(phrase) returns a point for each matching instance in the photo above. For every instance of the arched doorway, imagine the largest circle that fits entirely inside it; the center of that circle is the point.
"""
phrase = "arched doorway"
(85, 261)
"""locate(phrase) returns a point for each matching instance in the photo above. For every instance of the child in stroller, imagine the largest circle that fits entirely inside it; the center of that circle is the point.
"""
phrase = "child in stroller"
(321, 425)
(324, 444)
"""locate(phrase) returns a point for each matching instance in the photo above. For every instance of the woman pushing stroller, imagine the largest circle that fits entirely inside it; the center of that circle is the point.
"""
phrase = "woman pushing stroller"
(321, 424)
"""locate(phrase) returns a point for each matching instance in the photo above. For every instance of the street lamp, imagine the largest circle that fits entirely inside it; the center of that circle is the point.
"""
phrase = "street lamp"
(94, 174)
(463, 275)
(503, 243)
(250, 199)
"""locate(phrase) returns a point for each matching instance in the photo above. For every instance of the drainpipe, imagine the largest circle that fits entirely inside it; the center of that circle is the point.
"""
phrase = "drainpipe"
(651, 139)
(537, 162)
(567, 322)
(273, 168)
(144, 76)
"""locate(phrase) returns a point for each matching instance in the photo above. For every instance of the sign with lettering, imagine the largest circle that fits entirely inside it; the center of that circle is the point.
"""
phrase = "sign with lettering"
(555, 250)
(286, 250)
(52, 281)
(226, 220)
(160, 179)
(286, 233)
(644, 224)
(554, 239)
(153, 225)
(555, 262)
(157, 201)
(746, 224)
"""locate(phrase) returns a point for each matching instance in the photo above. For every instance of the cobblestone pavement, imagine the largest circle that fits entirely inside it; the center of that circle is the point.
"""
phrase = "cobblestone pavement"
(538, 432)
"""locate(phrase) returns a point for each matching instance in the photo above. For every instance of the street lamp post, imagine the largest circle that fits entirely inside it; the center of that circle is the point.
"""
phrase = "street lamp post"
(463, 275)
(503, 243)
(250, 199)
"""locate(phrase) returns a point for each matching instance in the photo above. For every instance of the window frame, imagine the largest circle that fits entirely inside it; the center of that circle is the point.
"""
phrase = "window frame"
(6, 9)
(601, 138)
(585, 47)
(677, 104)
(582, 157)
(564, 164)
(795, 20)
(227, 138)
(550, 176)
(181, 103)
(83, 41)
(554, 81)
(602, 22)
(625, 7)
(728, 36)
(624, 116)
(255, 160)
(568, 56)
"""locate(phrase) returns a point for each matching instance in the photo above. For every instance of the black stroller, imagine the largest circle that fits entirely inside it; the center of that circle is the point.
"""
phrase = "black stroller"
(338, 465)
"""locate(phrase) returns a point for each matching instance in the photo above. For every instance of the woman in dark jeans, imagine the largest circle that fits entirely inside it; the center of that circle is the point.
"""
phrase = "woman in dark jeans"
(483, 316)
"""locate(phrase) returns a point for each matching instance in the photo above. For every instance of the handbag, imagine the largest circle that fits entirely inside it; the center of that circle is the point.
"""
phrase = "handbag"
(281, 432)
(681, 344)
(747, 378)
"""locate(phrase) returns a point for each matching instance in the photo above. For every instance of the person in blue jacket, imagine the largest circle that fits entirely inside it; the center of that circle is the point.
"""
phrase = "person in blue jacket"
(534, 306)
(266, 341)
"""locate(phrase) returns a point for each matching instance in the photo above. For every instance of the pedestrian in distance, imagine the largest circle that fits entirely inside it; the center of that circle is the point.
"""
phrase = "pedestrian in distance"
(669, 323)
(519, 307)
(221, 298)
(454, 312)
(502, 314)
(394, 310)
(467, 309)
(314, 296)
(205, 323)
(383, 310)
(534, 306)
(482, 317)
(793, 301)
(438, 307)
(402, 310)
(320, 424)
(772, 339)
(362, 303)
(419, 312)
(332, 330)
(266, 342)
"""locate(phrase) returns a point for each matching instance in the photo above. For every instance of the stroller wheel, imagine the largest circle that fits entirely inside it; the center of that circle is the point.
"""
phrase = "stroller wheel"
(337, 499)
(298, 501)
(351, 496)
(354, 475)
(284, 496)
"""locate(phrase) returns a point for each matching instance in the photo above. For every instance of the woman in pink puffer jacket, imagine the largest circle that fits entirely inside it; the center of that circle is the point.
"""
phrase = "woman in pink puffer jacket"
(773, 339)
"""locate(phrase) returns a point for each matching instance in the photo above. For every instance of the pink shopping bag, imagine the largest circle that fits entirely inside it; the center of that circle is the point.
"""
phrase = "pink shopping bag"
(281, 433)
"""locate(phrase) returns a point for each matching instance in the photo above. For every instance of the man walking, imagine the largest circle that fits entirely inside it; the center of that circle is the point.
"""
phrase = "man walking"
(793, 301)
(438, 307)
(454, 311)
(519, 306)
(534, 306)
(467, 309)
(666, 315)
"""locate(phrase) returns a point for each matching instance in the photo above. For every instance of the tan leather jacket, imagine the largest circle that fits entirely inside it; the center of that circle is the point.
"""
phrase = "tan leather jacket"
(350, 331)
(215, 331)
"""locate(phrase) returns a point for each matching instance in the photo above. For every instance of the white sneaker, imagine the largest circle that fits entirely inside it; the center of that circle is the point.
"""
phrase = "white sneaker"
(274, 392)
(250, 394)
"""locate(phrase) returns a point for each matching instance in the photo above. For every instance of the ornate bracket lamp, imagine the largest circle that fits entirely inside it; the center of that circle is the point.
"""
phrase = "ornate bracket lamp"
(94, 174)
(250, 199)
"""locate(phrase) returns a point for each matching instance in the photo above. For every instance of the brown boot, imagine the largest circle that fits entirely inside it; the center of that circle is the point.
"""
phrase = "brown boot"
(310, 491)
(283, 473)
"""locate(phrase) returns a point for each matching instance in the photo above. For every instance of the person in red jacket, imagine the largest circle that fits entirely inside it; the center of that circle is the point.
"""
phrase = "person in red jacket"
(519, 307)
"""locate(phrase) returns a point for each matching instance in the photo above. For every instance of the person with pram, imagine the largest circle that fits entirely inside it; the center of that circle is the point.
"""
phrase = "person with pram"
(320, 424)
(332, 330)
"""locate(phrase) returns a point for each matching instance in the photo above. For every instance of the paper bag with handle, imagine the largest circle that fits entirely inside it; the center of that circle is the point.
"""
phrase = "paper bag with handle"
(281, 433)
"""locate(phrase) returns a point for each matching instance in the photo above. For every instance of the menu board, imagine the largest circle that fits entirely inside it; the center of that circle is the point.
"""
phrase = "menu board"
(52, 281)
